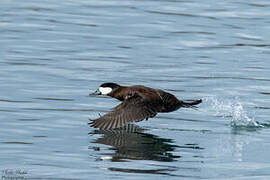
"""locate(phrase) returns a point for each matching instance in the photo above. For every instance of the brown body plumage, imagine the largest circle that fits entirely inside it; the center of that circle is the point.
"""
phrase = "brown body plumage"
(138, 103)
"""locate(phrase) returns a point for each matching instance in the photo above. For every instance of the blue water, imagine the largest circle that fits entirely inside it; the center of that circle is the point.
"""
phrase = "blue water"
(54, 53)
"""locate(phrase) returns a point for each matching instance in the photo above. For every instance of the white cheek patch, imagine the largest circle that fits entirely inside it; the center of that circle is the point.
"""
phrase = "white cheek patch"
(105, 90)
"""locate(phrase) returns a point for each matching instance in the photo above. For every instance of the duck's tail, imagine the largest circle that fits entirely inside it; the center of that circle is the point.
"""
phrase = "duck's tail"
(190, 103)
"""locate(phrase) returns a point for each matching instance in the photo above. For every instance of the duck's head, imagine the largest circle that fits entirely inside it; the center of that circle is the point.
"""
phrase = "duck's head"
(106, 88)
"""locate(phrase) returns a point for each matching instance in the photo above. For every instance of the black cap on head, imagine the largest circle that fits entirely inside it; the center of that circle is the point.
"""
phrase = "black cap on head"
(111, 85)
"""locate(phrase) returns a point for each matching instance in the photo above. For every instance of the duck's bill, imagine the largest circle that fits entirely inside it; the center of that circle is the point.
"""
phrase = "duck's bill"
(97, 92)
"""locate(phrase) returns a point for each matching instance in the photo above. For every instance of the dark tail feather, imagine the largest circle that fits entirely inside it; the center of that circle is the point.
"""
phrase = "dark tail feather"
(190, 104)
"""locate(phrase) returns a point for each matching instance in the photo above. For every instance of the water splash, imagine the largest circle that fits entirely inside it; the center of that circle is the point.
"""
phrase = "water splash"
(233, 109)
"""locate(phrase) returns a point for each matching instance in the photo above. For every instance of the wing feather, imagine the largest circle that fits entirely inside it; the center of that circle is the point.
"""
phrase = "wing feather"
(133, 109)
(114, 124)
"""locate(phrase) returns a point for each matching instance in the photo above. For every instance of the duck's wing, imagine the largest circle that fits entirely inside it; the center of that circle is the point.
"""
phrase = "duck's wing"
(133, 109)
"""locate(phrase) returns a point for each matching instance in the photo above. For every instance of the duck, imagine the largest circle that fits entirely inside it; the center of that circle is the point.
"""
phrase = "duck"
(138, 103)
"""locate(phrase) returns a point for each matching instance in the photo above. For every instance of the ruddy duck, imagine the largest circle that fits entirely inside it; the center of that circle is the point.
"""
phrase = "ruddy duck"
(138, 103)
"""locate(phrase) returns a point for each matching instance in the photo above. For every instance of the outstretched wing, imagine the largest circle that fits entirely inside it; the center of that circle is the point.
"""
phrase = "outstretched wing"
(132, 109)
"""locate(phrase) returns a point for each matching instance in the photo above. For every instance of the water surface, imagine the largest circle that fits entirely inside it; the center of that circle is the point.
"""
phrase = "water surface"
(54, 53)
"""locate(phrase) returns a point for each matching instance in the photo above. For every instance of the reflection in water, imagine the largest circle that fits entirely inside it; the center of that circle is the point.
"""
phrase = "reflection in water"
(242, 136)
(132, 143)
(238, 142)
(144, 171)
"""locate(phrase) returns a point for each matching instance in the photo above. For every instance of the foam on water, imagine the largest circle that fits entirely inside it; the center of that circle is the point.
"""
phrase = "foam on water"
(234, 110)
